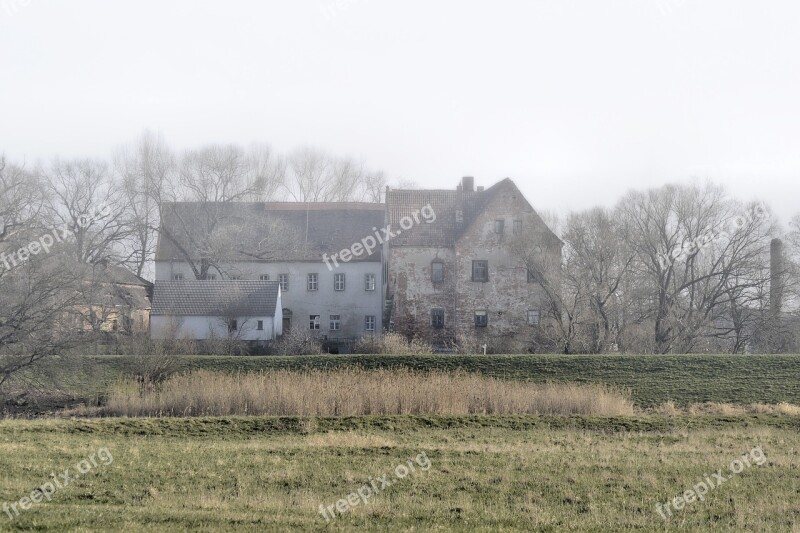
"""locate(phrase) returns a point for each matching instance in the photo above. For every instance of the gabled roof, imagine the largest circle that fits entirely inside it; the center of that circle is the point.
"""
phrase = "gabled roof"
(267, 231)
(122, 276)
(114, 285)
(215, 298)
(455, 210)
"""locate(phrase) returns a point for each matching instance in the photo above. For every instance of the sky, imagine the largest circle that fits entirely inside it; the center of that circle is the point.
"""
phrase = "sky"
(576, 101)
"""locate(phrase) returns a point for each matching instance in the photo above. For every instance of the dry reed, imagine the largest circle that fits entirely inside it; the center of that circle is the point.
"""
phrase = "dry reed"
(355, 392)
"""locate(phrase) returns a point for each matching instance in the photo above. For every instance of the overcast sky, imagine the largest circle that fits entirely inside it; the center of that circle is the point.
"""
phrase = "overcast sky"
(577, 101)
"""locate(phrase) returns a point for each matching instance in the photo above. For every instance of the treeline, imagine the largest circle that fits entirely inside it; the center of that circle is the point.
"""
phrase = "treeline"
(678, 269)
(112, 206)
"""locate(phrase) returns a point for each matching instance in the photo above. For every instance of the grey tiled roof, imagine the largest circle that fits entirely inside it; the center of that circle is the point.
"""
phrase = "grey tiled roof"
(266, 231)
(455, 211)
(215, 298)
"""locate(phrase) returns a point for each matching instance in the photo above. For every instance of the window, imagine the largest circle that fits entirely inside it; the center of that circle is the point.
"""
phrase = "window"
(236, 277)
(369, 323)
(481, 319)
(335, 322)
(480, 271)
(313, 282)
(437, 272)
(177, 277)
(517, 227)
(283, 279)
(338, 282)
(211, 277)
(313, 322)
(499, 226)
(233, 325)
(533, 317)
(437, 318)
(260, 325)
(264, 277)
(369, 282)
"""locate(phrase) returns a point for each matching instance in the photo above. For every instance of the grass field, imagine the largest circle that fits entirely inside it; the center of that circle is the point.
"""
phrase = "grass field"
(652, 380)
(519, 473)
(464, 472)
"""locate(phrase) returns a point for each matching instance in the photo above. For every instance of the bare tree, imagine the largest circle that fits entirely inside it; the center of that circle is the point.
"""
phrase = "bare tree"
(598, 261)
(229, 174)
(697, 252)
(147, 172)
(209, 236)
(540, 254)
(86, 203)
(314, 176)
(37, 285)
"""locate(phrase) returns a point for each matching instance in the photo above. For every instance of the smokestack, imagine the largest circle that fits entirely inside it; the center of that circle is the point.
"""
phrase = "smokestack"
(776, 276)
(468, 183)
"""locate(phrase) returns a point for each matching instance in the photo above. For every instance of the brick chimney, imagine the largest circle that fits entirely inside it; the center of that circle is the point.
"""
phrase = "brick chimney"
(776, 276)
(468, 184)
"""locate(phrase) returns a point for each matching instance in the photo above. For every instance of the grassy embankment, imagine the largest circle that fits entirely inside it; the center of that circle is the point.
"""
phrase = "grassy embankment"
(652, 380)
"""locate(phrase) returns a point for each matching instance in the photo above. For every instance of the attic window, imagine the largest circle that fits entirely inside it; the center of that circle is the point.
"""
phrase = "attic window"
(177, 277)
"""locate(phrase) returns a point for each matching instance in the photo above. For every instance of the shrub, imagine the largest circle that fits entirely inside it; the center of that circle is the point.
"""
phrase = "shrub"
(297, 343)
(392, 344)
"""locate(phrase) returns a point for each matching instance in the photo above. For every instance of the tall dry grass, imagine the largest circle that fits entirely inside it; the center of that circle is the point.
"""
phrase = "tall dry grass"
(358, 392)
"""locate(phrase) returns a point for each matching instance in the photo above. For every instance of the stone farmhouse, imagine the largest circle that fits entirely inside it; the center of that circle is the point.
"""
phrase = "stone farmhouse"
(452, 276)
(459, 278)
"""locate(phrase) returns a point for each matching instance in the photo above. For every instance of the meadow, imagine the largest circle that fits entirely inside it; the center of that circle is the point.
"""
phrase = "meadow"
(301, 469)
(517, 473)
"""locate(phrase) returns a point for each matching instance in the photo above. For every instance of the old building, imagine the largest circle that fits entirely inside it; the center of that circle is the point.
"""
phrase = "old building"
(462, 276)
(325, 291)
(111, 300)
(203, 310)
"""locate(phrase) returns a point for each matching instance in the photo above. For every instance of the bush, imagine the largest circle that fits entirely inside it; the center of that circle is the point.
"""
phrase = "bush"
(392, 344)
(297, 343)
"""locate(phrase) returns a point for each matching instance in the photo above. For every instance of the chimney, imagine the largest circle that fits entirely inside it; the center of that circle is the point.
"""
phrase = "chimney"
(776, 276)
(468, 183)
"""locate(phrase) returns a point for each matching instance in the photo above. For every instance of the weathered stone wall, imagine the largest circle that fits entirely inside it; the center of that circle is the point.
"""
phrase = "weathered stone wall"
(506, 296)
